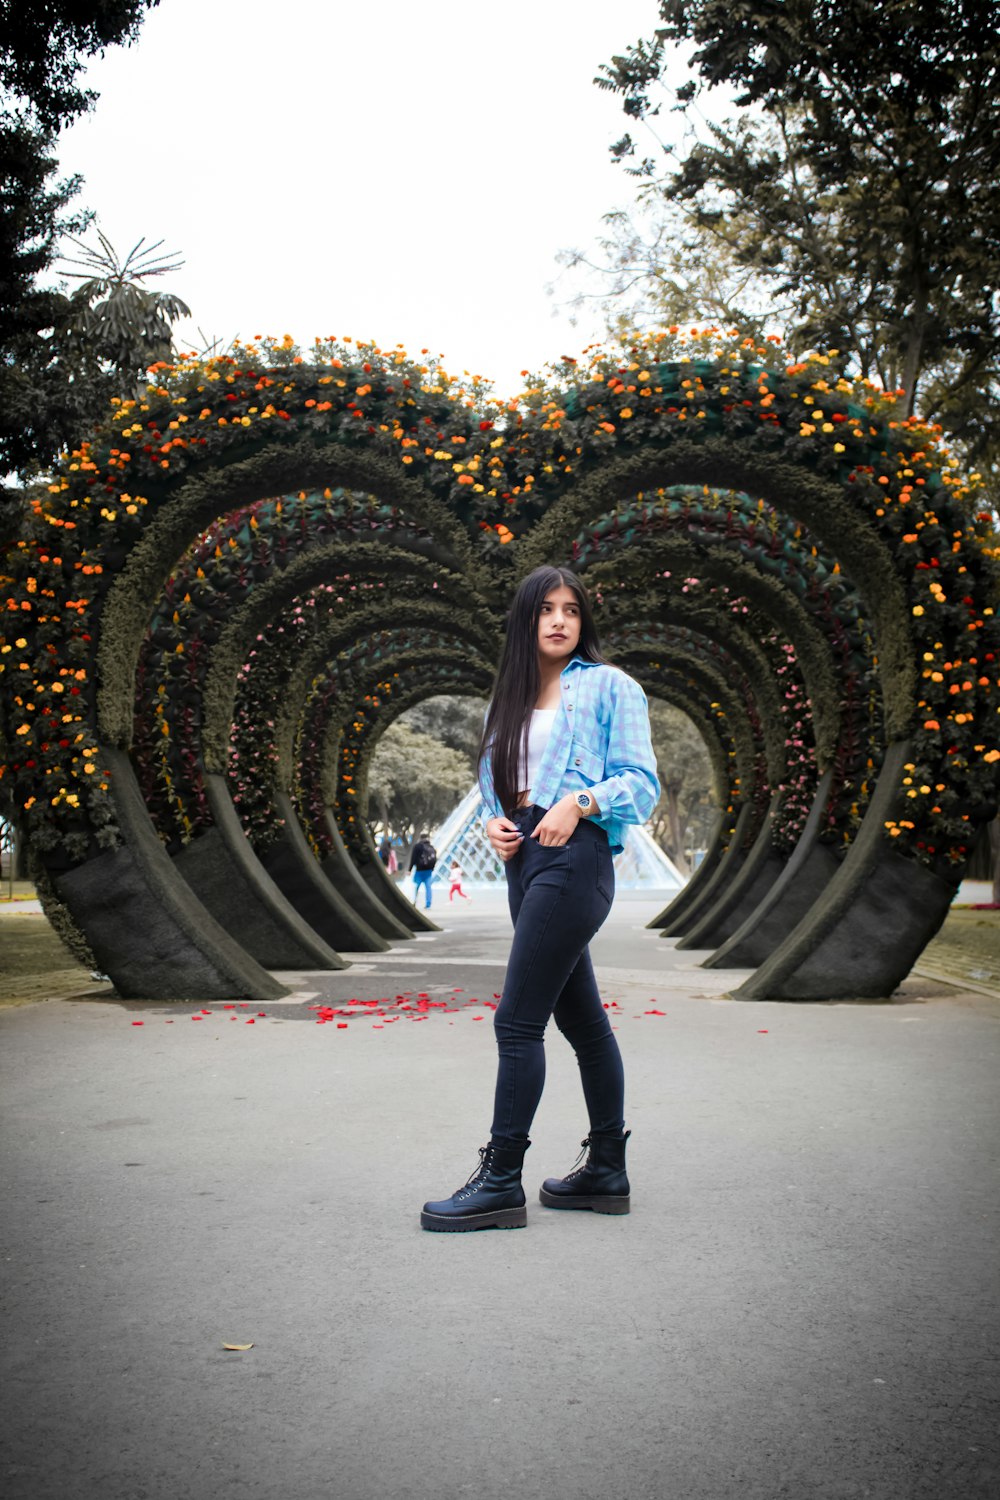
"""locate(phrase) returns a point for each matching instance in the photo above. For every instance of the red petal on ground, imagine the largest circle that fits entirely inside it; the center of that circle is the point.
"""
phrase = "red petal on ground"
(196, 1018)
(341, 1025)
(477, 1018)
(762, 1033)
(656, 1012)
(138, 1023)
(250, 1021)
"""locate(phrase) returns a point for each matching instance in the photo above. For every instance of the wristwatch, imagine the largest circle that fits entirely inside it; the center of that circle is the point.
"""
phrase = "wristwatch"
(585, 803)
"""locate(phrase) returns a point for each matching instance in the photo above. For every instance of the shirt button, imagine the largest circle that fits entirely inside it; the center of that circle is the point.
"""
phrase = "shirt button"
(576, 762)
(569, 708)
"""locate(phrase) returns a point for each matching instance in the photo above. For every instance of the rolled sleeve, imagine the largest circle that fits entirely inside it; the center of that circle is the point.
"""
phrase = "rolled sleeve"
(491, 809)
(630, 789)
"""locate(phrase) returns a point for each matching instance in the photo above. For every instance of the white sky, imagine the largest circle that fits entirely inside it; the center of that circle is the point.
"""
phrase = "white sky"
(393, 171)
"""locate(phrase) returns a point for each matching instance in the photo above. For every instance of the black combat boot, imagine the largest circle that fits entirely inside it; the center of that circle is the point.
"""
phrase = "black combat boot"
(599, 1183)
(491, 1199)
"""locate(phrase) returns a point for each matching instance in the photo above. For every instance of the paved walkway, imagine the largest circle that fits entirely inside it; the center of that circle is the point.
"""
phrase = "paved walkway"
(802, 1304)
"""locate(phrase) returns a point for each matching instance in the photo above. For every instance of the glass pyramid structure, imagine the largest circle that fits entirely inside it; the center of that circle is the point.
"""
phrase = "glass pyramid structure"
(642, 864)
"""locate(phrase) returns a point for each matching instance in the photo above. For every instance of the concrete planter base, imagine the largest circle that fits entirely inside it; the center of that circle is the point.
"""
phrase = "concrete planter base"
(757, 874)
(148, 930)
(293, 867)
(725, 871)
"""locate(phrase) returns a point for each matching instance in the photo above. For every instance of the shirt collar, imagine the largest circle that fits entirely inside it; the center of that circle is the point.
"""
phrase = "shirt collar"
(577, 661)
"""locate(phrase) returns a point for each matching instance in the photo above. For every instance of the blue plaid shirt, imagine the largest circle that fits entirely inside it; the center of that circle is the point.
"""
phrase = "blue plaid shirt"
(599, 743)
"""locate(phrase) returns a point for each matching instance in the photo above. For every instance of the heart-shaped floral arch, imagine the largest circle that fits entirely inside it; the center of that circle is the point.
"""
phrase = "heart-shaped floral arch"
(224, 596)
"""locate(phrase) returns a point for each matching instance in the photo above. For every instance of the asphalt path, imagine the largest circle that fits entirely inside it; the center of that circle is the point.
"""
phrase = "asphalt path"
(802, 1303)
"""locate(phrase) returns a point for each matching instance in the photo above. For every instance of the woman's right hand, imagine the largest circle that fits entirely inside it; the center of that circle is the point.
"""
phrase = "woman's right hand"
(505, 837)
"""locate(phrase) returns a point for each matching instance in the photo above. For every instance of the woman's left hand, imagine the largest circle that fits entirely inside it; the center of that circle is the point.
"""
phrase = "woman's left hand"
(559, 823)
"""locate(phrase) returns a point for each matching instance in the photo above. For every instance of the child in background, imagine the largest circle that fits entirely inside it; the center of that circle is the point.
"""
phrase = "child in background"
(456, 881)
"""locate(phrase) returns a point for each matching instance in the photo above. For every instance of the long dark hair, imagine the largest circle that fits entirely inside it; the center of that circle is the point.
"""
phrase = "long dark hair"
(517, 683)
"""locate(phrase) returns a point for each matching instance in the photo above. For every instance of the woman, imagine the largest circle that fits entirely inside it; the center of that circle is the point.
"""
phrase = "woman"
(565, 762)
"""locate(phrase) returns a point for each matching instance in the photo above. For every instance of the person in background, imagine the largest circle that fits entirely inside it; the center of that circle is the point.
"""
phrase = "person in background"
(455, 876)
(385, 849)
(565, 763)
(423, 858)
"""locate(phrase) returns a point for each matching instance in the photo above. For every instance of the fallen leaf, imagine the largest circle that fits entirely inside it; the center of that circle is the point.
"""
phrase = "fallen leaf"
(237, 1347)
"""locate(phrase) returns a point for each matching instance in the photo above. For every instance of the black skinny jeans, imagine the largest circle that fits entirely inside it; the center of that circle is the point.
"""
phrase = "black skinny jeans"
(558, 897)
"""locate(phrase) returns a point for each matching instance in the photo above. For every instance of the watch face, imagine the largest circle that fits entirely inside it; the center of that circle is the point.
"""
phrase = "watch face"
(583, 799)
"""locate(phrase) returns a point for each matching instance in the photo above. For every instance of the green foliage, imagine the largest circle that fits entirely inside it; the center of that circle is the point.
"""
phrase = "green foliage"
(53, 384)
(118, 326)
(856, 188)
(686, 814)
(39, 410)
(44, 46)
(415, 781)
(455, 722)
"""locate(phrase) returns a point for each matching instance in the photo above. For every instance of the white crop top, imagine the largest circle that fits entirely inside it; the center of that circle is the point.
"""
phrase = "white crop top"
(542, 720)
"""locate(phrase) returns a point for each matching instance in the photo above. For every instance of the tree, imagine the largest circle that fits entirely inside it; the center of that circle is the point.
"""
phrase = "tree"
(856, 185)
(415, 781)
(685, 815)
(43, 47)
(455, 722)
(119, 327)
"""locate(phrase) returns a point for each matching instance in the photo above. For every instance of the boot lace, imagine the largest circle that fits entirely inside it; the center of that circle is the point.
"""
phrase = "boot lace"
(477, 1174)
(579, 1166)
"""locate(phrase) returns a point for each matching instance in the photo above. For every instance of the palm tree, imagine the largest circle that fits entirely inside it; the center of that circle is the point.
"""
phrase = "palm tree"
(118, 323)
